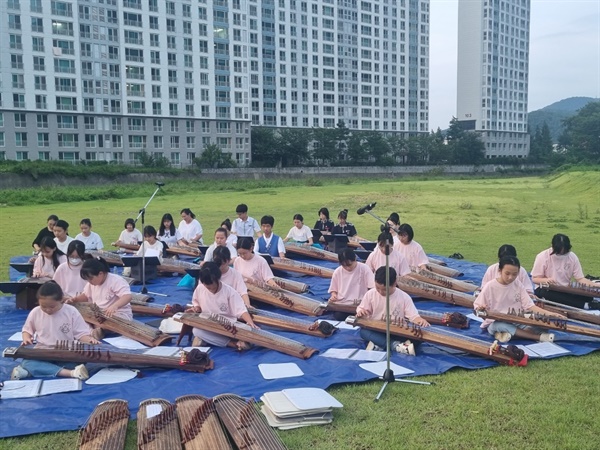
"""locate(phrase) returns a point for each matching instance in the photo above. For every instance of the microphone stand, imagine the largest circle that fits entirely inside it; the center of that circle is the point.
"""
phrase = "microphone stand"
(142, 214)
(388, 374)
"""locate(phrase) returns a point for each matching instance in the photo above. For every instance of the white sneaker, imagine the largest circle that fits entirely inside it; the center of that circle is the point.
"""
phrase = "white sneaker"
(18, 373)
(547, 337)
(372, 347)
(127, 272)
(406, 347)
(502, 336)
(80, 372)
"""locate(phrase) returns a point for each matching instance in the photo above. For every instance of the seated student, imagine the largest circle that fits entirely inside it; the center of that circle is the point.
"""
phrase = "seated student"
(220, 241)
(252, 266)
(299, 233)
(61, 235)
(68, 274)
(231, 238)
(49, 259)
(269, 243)
(230, 276)
(504, 294)
(559, 265)
(130, 235)
(493, 271)
(46, 231)
(377, 257)
(324, 224)
(411, 250)
(91, 239)
(350, 281)
(107, 290)
(344, 227)
(152, 246)
(53, 321)
(394, 222)
(215, 297)
(244, 226)
(189, 228)
(167, 232)
(373, 307)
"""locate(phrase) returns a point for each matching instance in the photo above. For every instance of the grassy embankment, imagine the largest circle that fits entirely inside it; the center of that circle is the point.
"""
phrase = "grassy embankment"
(549, 404)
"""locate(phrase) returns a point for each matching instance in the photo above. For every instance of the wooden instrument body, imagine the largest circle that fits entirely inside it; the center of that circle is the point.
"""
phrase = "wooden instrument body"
(432, 292)
(176, 266)
(199, 424)
(287, 323)
(106, 427)
(290, 265)
(348, 308)
(291, 285)
(311, 252)
(541, 321)
(160, 432)
(114, 259)
(443, 270)
(439, 262)
(428, 276)
(133, 329)
(576, 289)
(283, 299)
(452, 320)
(406, 329)
(185, 250)
(242, 332)
(153, 310)
(81, 353)
(571, 313)
(247, 427)
(130, 248)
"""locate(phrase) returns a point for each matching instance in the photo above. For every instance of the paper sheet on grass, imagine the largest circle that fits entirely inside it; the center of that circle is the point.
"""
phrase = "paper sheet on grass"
(281, 370)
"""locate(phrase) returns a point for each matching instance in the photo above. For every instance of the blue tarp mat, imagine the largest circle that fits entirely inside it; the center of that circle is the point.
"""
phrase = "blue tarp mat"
(234, 372)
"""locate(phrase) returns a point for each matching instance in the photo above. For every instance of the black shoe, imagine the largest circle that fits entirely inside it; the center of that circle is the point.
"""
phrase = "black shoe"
(456, 256)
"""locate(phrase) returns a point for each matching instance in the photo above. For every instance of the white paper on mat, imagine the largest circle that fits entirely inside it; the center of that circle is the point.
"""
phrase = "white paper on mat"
(311, 398)
(124, 343)
(282, 370)
(110, 375)
(474, 317)
(339, 353)
(528, 351)
(378, 368)
(18, 336)
(153, 409)
(163, 351)
(547, 349)
(368, 355)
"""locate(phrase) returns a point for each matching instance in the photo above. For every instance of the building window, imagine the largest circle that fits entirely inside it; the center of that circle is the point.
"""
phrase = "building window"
(43, 140)
(20, 139)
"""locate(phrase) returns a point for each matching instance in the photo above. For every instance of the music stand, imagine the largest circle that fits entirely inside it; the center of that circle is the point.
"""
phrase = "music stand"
(268, 258)
(145, 262)
(317, 235)
(26, 268)
(195, 273)
(368, 246)
(25, 292)
(362, 254)
(336, 242)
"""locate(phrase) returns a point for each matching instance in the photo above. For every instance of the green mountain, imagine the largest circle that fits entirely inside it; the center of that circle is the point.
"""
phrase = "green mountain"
(555, 113)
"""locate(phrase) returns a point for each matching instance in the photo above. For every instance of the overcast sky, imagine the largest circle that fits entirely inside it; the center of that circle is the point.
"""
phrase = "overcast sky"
(564, 54)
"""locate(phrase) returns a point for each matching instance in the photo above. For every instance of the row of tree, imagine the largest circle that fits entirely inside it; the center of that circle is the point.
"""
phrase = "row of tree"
(341, 146)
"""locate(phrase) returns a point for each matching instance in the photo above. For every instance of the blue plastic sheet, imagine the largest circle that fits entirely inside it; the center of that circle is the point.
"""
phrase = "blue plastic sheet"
(234, 372)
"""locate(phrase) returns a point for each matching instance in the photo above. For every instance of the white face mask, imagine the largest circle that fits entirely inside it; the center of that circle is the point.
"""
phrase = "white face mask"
(74, 261)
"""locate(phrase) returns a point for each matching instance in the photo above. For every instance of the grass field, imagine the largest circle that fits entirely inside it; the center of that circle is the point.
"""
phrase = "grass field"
(548, 404)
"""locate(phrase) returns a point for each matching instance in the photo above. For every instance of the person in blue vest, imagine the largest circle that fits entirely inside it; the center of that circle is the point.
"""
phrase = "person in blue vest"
(269, 243)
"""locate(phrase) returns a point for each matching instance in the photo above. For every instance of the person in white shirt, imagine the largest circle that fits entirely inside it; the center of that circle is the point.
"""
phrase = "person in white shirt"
(269, 243)
(189, 228)
(61, 235)
(167, 232)
(91, 240)
(245, 226)
(299, 233)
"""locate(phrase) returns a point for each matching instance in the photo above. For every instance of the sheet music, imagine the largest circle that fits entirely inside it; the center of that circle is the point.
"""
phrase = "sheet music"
(18, 336)
(163, 351)
(125, 343)
(379, 367)
(339, 353)
(60, 385)
(368, 355)
(545, 349)
(112, 375)
(282, 370)
(20, 389)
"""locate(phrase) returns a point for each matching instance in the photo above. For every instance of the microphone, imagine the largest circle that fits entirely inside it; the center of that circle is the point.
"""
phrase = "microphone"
(159, 184)
(364, 209)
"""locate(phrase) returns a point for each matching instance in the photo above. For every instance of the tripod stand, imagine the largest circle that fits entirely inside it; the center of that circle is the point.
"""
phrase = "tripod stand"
(388, 374)
(142, 214)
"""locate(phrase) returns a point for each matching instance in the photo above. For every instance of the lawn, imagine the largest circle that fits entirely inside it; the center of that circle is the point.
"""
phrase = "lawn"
(548, 404)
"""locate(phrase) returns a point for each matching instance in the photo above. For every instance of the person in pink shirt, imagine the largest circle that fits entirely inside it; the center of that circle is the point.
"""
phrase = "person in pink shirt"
(215, 297)
(49, 259)
(377, 257)
(559, 265)
(250, 265)
(50, 322)
(493, 271)
(410, 250)
(230, 276)
(506, 293)
(109, 291)
(350, 281)
(68, 274)
(373, 307)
